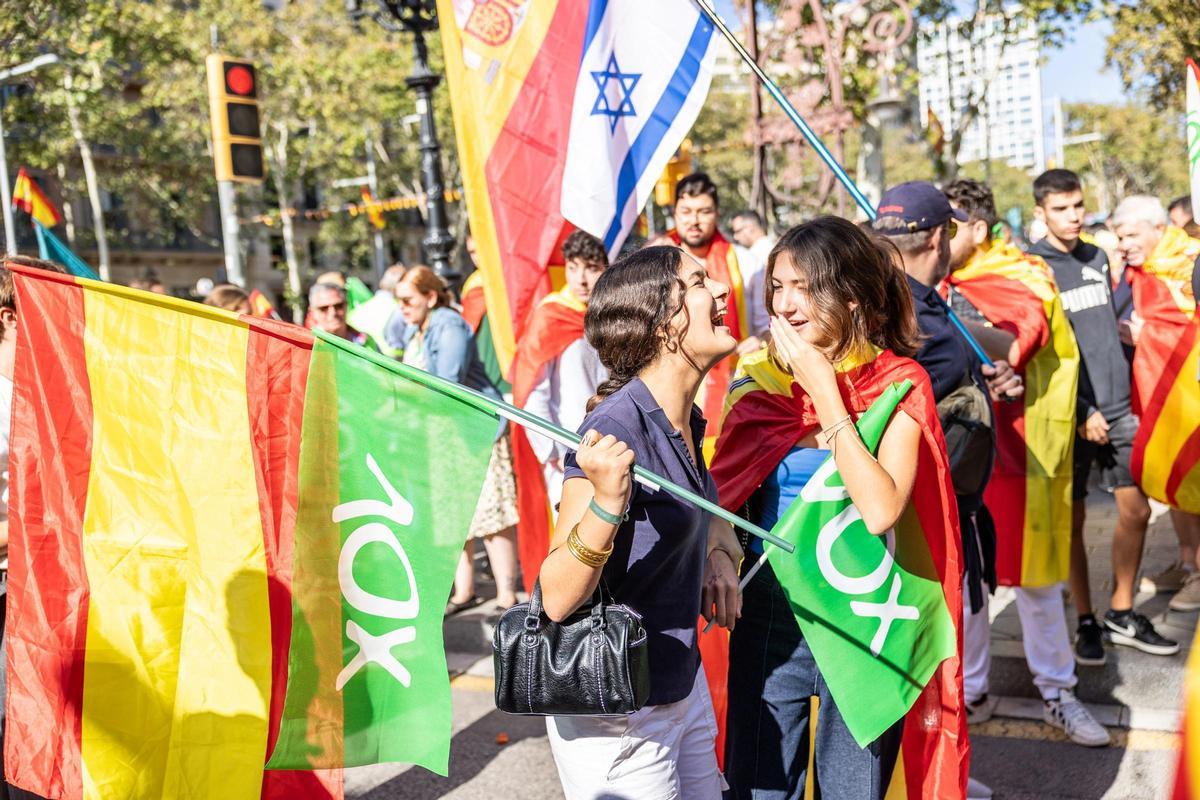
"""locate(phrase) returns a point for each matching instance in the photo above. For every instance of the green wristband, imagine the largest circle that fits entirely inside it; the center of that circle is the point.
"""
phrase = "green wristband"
(611, 519)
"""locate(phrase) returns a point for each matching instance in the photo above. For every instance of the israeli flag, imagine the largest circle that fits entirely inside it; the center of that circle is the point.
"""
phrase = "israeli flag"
(646, 69)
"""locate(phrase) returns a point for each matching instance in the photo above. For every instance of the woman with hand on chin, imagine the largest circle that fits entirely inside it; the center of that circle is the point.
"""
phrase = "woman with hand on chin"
(655, 320)
(842, 331)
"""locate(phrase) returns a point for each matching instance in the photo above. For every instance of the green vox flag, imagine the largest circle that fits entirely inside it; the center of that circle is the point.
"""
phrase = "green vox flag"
(390, 472)
(871, 607)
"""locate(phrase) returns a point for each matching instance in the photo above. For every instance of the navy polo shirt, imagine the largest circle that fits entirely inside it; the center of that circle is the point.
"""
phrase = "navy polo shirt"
(657, 564)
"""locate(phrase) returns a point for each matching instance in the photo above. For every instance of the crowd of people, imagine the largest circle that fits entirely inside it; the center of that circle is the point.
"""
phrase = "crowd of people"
(1021, 358)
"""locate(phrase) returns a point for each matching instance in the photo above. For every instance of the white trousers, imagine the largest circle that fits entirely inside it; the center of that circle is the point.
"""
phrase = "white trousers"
(1043, 633)
(657, 753)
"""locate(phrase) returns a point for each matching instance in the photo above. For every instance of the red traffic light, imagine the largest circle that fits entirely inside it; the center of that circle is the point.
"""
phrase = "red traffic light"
(239, 80)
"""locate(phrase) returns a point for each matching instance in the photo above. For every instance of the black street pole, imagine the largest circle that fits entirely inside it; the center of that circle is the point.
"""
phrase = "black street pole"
(438, 240)
(418, 17)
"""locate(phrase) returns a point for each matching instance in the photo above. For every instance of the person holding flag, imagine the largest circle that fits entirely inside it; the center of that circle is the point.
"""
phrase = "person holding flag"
(842, 336)
(696, 213)
(555, 373)
(1011, 302)
(656, 319)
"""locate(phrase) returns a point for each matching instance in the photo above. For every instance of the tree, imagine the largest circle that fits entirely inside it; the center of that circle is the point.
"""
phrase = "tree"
(1149, 44)
(1139, 151)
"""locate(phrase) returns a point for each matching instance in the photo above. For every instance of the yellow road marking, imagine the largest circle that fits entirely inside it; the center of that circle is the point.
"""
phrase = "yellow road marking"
(473, 683)
(1040, 731)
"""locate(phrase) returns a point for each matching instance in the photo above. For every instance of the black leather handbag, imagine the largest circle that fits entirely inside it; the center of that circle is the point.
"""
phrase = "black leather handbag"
(593, 663)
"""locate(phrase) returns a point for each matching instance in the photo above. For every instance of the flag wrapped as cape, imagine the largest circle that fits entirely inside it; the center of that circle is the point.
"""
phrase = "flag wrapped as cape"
(30, 198)
(556, 324)
(1166, 393)
(766, 415)
(1029, 493)
(721, 263)
(645, 72)
(207, 508)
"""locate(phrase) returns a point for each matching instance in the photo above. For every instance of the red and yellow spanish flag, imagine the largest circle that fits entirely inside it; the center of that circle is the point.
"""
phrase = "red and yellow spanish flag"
(766, 415)
(556, 324)
(153, 483)
(1166, 363)
(721, 263)
(1029, 493)
(30, 198)
(1187, 771)
(512, 67)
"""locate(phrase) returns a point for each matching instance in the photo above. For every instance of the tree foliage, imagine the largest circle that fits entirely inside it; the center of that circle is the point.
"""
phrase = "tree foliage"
(1149, 44)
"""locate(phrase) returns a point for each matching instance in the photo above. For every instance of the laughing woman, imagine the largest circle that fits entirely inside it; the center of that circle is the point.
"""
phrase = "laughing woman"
(842, 331)
(655, 320)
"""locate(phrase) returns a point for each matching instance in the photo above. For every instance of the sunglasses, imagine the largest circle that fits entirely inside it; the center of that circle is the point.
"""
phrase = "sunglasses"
(329, 308)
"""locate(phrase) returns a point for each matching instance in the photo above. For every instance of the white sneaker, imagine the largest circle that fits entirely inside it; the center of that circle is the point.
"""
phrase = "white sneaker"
(981, 710)
(977, 790)
(1071, 716)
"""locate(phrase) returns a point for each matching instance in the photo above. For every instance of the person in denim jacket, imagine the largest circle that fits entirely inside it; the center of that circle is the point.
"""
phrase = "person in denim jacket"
(438, 340)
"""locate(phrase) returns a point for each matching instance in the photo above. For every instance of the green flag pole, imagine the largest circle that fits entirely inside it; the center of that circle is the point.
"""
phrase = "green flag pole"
(548, 429)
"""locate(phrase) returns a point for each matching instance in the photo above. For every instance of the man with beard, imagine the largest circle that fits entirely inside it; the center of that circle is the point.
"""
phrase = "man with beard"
(696, 214)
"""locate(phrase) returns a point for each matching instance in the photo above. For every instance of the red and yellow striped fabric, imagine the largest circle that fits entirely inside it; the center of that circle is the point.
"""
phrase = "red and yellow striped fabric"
(766, 415)
(1166, 363)
(512, 66)
(1187, 771)
(556, 324)
(153, 481)
(30, 198)
(1029, 493)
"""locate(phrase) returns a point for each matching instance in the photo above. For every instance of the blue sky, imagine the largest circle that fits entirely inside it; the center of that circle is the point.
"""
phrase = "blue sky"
(1076, 72)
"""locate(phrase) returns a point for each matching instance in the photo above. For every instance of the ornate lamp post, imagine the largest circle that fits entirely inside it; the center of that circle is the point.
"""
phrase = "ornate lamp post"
(418, 17)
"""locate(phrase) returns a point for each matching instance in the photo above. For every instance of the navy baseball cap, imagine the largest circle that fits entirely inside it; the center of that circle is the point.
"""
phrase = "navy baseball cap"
(920, 204)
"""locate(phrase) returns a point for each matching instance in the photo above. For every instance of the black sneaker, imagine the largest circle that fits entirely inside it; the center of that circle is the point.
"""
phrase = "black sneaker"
(1134, 630)
(1089, 644)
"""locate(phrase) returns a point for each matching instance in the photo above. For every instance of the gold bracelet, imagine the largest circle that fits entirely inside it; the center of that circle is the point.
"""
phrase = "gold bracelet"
(584, 554)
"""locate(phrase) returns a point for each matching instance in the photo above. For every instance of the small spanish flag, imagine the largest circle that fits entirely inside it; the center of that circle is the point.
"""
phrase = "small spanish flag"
(28, 197)
(373, 209)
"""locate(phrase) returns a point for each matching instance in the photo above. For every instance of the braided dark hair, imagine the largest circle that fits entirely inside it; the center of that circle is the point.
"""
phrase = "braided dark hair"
(629, 314)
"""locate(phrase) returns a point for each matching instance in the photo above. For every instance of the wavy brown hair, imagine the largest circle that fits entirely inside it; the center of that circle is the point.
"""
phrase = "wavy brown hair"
(629, 315)
(843, 264)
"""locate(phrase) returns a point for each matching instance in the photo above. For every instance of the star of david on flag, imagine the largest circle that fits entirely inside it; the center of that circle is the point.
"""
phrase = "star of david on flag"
(623, 82)
(664, 52)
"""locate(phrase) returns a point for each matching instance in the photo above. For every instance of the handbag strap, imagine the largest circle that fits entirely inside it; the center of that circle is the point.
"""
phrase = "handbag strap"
(533, 618)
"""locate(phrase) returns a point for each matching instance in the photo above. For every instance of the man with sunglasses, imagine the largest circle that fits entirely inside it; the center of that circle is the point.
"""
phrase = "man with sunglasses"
(327, 311)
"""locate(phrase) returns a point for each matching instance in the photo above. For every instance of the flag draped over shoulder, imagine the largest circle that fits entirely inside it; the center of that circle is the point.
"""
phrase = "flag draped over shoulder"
(1166, 393)
(644, 75)
(1029, 493)
(30, 198)
(766, 415)
(721, 263)
(557, 322)
(511, 67)
(206, 511)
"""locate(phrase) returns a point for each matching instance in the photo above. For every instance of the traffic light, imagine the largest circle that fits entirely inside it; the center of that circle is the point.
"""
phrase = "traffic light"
(233, 112)
(677, 168)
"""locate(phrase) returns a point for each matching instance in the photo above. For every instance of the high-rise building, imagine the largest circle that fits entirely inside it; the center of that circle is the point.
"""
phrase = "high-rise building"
(1001, 66)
